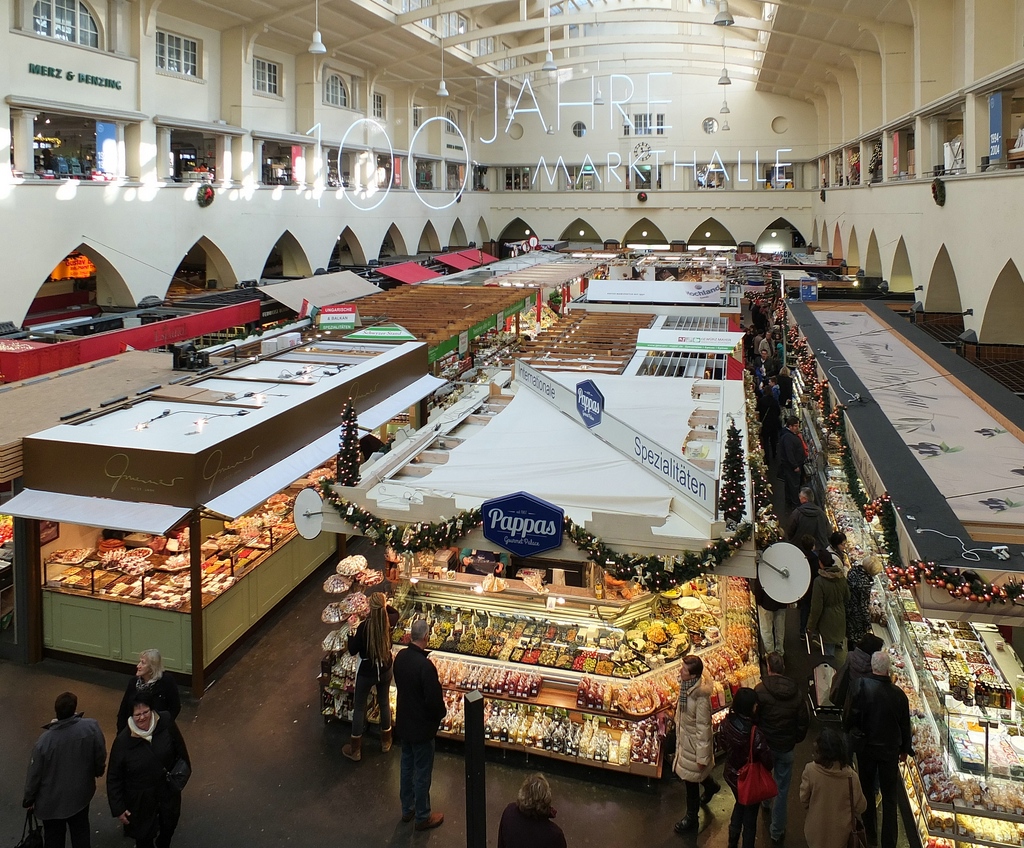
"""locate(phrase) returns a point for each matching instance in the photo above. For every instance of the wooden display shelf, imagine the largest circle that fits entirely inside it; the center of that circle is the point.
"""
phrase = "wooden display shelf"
(554, 695)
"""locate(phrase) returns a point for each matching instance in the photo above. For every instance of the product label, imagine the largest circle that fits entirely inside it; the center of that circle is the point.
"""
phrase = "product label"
(523, 524)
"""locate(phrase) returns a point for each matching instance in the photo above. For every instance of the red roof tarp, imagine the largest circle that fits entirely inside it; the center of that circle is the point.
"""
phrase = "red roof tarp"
(408, 272)
(478, 256)
(456, 261)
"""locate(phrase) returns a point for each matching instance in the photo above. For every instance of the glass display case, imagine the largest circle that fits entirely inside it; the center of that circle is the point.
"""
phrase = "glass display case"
(564, 674)
(966, 781)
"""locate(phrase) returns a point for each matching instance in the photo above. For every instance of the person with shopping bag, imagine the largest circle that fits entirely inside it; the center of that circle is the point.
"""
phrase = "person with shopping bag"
(831, 793)
(748, 767)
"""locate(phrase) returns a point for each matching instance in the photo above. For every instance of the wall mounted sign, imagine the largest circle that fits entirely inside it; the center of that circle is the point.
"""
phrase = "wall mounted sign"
(589, 403)
(523, 524)
(71, 76)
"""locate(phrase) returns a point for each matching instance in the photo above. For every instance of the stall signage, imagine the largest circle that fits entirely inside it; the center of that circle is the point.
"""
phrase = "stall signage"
(808, 290)
(995, 126)
(384, 333)
(699, 487)
(651, 291)
(71, 76)
(339, 316)
(589, 403)
(523, 524)
(692, 341)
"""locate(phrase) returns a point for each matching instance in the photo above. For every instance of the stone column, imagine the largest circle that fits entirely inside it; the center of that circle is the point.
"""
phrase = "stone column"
(24, 146)
(164, 164)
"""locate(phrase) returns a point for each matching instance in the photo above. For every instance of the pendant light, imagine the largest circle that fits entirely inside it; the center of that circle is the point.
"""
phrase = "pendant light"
(549, 59)
(725, 110)
(724, 17)
(316, 46)
(724, 78)
(599, 98)
(442, 89)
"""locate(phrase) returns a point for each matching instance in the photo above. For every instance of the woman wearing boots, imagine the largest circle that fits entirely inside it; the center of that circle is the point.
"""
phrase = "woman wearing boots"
(372, 642)
(695, 755)
(738, 736)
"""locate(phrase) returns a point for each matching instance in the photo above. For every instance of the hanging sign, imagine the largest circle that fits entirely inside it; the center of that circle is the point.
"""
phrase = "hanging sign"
(523, 524)
(995, 126)
(339, 316)
(688, 340)
(808, 290)
(651, 291)
(383, 333)
(589, 403)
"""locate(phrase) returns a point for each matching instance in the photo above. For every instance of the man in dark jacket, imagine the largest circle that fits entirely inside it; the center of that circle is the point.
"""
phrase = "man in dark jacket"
(879, 727)
(66, 761)
(792, 456)
(783, 717)
(420, 712)
(809, 519)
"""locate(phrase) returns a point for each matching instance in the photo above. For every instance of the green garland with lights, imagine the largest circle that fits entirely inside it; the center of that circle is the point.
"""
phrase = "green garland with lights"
(962, 584)
(657, 573)
(769, 529)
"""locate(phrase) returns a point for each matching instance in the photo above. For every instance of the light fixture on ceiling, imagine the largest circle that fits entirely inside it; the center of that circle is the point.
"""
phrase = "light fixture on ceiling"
(725, 126)
(725, 110)
(724, 78)
(442, 89)
(724, 17)
(549, 59)
(316, 46)
(551, 129)
(599, 98)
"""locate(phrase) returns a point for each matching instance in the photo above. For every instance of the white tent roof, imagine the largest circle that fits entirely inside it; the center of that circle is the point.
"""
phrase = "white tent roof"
(321, 290)
(532, 447)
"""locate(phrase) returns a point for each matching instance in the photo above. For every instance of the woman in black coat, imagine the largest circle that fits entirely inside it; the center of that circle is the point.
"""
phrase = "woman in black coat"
(138, 791)
(152, 682)
(736, 739)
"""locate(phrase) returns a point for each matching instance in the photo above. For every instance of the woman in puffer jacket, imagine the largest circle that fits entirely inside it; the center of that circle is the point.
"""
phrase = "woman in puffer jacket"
(737, 730)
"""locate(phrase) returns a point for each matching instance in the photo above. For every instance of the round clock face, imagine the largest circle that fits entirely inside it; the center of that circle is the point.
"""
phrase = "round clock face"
(641, 151)
(710, 125)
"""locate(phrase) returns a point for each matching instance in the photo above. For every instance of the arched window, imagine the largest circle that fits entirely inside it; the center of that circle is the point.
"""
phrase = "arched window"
(452, 123)
(335, 92)
(66, 20)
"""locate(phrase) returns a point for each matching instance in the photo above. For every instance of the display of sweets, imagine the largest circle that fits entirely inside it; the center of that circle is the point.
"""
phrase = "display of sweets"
(455, 716)
(487, 679)
(645, 745)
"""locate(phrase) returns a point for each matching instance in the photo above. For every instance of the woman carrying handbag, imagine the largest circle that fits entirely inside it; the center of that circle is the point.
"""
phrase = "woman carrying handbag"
(831, 793)
(748, 767)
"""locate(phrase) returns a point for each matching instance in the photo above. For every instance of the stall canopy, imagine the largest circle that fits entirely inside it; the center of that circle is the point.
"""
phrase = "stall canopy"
(457, 261)
(408, 272)
(261, 486)
(321, 290)
(95, 512)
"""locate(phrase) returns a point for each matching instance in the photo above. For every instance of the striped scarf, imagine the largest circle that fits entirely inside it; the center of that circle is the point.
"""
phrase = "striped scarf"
(684, 689)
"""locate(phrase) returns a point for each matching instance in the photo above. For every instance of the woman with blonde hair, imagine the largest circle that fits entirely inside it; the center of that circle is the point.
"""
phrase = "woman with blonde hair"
(372, 642)
(155, 683)
(526, 822)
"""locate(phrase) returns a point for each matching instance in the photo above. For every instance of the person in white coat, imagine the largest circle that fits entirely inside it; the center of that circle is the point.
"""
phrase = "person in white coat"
(695, 753)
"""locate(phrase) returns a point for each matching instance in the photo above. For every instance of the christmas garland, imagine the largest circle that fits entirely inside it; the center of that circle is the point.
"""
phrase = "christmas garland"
(769, 530)
(205, 196)
(961, 584)
(939, 192)
(657, 573)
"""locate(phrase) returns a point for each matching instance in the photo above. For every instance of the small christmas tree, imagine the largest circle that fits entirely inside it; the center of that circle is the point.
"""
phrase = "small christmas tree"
(348, 449)
(731, 496)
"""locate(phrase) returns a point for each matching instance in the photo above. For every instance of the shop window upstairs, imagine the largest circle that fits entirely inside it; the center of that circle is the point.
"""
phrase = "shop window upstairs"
(335, 93)
(65, 20)
(265, 76)
(177, 54)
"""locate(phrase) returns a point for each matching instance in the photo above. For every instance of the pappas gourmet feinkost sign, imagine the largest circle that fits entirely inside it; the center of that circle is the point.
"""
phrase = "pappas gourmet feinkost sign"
(523, 524)
(589, 402)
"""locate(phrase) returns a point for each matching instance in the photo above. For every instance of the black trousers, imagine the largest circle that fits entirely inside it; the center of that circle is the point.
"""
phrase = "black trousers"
(77, 825)
(743, 823)
(887, 772)
(693, 793)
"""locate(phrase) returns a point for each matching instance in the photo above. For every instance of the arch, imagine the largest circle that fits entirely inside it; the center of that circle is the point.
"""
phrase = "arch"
(853, 250)
(719, 235)
(823, 243)
(837, 243)
(393, 243)
(482, 233)
(1004, 312)
(347, 250)
(814, 230)
(516, 230)
(457, 237)
(287, 259)
(580, 232)
(644, 231)
(204, 266)
(901, 277)
(85, 278)
(943, 290)
(873, 258)
(778, 236)
(429, 242)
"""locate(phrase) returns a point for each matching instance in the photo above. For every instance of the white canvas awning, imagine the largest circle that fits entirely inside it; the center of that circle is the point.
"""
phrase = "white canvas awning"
(95, 512)
(261, 486)
(321, 290)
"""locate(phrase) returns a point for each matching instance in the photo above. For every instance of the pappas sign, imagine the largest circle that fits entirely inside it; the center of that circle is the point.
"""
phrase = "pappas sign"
(523, 524)
(589, 403)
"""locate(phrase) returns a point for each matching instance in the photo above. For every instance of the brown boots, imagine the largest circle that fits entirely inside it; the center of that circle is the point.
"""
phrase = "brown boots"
(385, 740)
(354, 749)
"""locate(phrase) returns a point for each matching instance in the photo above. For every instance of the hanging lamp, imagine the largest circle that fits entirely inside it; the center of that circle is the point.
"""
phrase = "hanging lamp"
(316, 46)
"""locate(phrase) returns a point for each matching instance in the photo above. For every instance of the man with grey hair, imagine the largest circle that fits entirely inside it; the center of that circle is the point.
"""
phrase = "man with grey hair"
(420, 711)
(879, 728)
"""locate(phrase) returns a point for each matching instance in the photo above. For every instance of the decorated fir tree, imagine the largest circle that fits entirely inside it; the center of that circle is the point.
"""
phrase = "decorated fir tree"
(732, 497)
(348, 449)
